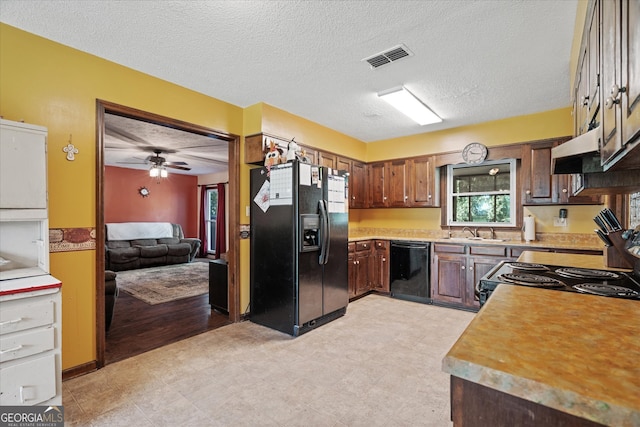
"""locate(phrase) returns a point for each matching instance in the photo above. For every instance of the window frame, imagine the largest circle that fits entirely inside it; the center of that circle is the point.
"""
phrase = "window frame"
(512, 194)
(211, 223)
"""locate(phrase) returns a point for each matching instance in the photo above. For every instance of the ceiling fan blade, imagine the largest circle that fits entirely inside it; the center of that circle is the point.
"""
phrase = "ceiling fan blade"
(177, 167)
(176, 163)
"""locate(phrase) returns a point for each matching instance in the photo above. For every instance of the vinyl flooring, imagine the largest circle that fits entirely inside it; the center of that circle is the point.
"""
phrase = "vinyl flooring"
(379, 365)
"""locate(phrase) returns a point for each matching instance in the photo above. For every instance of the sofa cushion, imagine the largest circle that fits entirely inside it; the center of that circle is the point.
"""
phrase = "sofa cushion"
(144, 242)
(153, 251)
(169, 240)
(179, 249)
(123, 255)
(115, 244)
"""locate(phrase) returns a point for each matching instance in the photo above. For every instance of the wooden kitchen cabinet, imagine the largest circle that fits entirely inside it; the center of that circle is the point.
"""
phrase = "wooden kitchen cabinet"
(607, 90)
(424, 182)
(380, 266)
(327, 160)
(378, 185)
(358, 185)
(539, 185)
(456, 269)
(398, 184)
(359, 268)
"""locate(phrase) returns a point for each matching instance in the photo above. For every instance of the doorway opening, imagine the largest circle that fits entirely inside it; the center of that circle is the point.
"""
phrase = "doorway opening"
(175, 313)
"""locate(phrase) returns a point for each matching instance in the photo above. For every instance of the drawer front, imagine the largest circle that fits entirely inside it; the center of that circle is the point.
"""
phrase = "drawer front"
(382, 244)
(517, 251)
(25, 316)
(363, 246)
(28, 383)
(488, 250)
(451, 249)
(25, 344)
(352, 247)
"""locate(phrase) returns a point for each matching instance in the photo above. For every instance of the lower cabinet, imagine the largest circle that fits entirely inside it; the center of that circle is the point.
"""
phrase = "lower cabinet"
(380, 266)
(455, 270)
(30, 348)
(368, 267)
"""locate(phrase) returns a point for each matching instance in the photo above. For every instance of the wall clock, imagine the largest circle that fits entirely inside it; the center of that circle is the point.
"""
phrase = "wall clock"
(474, 153)
(143, 191)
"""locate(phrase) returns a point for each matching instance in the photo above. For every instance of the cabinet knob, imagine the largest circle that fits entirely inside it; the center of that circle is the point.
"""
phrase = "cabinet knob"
(527, 192)
(584, 99)
(471, 268)
(384, 198)
(429, 196)
(616, 90)
(406, 197)
(384, 259)
(463, 267)
(564, 190)
(610, 102)
(353, 197)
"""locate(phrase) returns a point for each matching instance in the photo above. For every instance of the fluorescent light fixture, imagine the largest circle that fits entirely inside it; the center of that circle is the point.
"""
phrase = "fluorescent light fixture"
(405, 102)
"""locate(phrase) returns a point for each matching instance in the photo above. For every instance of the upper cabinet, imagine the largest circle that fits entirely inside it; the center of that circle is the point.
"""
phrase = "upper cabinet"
(607, 89)
(424, 182)
(539, 186)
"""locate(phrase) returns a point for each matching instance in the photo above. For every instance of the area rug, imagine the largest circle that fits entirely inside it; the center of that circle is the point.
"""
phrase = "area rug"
(157, 285)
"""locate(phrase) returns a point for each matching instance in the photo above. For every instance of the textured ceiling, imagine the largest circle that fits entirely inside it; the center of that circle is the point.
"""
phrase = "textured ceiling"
(473, 61)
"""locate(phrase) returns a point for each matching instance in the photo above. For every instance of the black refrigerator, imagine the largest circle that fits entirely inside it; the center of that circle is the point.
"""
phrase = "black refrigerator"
(299, 238)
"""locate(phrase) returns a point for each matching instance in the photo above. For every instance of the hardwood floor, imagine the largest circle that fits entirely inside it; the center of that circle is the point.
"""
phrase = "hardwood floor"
(138, 327)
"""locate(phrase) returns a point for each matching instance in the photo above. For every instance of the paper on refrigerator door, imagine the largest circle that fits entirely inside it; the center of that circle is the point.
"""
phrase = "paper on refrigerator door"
(336, 194)
(281, 191)
(262, 198)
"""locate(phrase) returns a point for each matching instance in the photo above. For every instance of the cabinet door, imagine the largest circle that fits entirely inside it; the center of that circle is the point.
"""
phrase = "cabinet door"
(610, 76)
(358, 185)
(23, 167)
(448, 278)
(538, 184)
(630, 65)
(343, 164)
(327, 160)
(478, 267)
(398, 184)
(362, 272)
(423, 183)
(592, 101)
(377, 187)
(353, 274)
(380, 279)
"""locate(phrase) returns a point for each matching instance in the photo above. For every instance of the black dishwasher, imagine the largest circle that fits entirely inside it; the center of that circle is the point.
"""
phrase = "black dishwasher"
(410, 271)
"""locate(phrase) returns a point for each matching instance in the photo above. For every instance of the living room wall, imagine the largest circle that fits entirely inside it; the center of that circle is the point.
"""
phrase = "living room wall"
(172, 199)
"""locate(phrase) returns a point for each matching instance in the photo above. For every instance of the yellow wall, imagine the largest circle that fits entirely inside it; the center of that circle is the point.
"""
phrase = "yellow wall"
(51, 85)
(548, 124)
(45, 83)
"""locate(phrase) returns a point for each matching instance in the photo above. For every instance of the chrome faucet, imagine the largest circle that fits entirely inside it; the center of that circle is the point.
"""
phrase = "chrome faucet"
(474, 233)
(493, 232)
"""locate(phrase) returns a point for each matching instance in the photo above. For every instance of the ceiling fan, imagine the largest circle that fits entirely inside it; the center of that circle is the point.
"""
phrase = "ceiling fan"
(159, 163)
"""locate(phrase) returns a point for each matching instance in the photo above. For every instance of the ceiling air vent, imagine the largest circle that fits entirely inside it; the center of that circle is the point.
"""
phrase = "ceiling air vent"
(388, 56)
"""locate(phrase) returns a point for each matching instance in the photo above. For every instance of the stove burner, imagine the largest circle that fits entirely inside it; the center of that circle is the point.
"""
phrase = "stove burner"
(526, 266)
(606, 290)
(586, 273)
(531, 280)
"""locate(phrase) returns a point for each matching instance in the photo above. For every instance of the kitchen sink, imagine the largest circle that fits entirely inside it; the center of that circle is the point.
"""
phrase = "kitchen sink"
(473, 239)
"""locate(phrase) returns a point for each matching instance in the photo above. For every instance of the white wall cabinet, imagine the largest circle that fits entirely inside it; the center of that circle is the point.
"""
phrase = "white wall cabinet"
(30, 299)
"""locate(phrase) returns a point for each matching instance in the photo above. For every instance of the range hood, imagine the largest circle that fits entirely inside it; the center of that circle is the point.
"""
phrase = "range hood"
(578, 155)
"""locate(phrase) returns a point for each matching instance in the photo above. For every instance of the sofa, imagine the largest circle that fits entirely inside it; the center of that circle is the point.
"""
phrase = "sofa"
(110, 296)
(132, 245)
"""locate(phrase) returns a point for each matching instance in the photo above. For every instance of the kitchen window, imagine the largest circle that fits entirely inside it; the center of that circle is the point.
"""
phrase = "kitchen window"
(482, 194)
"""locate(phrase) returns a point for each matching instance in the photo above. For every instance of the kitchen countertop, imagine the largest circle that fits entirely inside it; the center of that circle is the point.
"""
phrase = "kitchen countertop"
(458, 241)
(575, 353)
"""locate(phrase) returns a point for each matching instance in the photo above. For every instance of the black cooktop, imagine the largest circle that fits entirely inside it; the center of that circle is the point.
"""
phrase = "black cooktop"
(606, 283)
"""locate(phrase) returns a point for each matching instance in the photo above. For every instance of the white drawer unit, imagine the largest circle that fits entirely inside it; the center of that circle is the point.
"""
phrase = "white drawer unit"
(30, 343)
(29, 383)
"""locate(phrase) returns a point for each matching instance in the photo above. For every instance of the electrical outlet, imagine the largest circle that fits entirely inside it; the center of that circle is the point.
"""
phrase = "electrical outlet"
(559, 222)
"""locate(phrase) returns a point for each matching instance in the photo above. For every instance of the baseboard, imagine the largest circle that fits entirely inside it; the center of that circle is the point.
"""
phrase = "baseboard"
(79, 370)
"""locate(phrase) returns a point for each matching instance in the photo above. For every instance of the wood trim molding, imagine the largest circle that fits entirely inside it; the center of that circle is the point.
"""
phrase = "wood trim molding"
(233, 253)
(76, 371)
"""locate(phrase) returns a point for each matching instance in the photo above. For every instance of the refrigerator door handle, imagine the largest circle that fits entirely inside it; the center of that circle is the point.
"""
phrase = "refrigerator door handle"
(324, 220)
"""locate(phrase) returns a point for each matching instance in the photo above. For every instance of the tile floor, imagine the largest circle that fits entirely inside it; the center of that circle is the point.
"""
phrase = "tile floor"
(379, 365)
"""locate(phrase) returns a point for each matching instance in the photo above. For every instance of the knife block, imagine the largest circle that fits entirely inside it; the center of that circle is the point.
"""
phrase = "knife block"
(616, 256)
